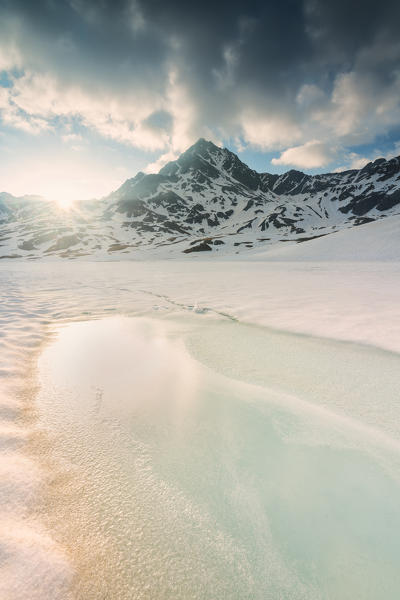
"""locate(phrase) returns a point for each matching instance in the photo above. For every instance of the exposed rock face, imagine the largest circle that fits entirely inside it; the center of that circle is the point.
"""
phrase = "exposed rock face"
(205, 195)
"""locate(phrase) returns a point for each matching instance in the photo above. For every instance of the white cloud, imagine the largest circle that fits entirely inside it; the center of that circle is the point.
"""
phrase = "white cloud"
(183, 111)
(71, 137)
(356, 161)
(9, 56)
(311, 155)
(360, 108)
(41, 98)
(3, 97)
(270, 132)
(12, 116)
(155, 166)
(224, 76)
(309, 95)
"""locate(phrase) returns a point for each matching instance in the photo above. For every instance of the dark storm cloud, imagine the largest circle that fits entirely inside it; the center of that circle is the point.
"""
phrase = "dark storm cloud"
(270, 35)
(345, 27)
(231, 59)
(89, 39)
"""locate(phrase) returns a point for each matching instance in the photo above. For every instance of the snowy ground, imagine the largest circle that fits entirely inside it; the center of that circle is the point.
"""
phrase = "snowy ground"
(379, 240)
(231, 314)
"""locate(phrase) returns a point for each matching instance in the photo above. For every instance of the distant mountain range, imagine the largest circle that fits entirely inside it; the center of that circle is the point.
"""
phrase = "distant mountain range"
(205, 201)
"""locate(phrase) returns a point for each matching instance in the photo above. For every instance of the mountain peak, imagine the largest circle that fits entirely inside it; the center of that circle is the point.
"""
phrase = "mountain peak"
(202, 146)
(203, 142)
(199, 157)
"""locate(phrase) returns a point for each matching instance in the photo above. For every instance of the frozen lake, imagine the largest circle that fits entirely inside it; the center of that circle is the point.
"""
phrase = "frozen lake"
(174, 450)
(192, 482)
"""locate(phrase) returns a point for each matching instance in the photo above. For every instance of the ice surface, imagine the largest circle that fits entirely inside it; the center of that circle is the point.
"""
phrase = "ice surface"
(349, 301)
(200, 485)
(317, 421)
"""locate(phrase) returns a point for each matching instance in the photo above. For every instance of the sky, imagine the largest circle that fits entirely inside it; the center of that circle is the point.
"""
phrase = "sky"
(92, 91)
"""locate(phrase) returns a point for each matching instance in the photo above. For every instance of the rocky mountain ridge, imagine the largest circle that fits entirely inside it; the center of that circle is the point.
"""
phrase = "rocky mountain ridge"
(206, 200)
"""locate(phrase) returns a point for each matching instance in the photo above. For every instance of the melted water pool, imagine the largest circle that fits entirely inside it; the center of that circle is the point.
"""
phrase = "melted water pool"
(201, 458)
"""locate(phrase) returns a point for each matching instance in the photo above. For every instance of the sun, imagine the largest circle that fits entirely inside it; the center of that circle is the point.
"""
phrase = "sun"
(65, 204)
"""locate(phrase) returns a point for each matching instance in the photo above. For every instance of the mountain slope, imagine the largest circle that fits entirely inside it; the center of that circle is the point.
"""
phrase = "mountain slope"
(378, 240)
(206, 200)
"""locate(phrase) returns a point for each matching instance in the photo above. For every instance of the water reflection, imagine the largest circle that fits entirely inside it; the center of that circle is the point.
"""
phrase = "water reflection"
(124, 367)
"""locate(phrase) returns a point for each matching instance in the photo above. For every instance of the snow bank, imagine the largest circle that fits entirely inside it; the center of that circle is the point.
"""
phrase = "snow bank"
(379, 240)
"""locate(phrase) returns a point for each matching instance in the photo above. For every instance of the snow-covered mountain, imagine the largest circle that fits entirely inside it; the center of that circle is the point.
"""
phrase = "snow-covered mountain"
(206, 200)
